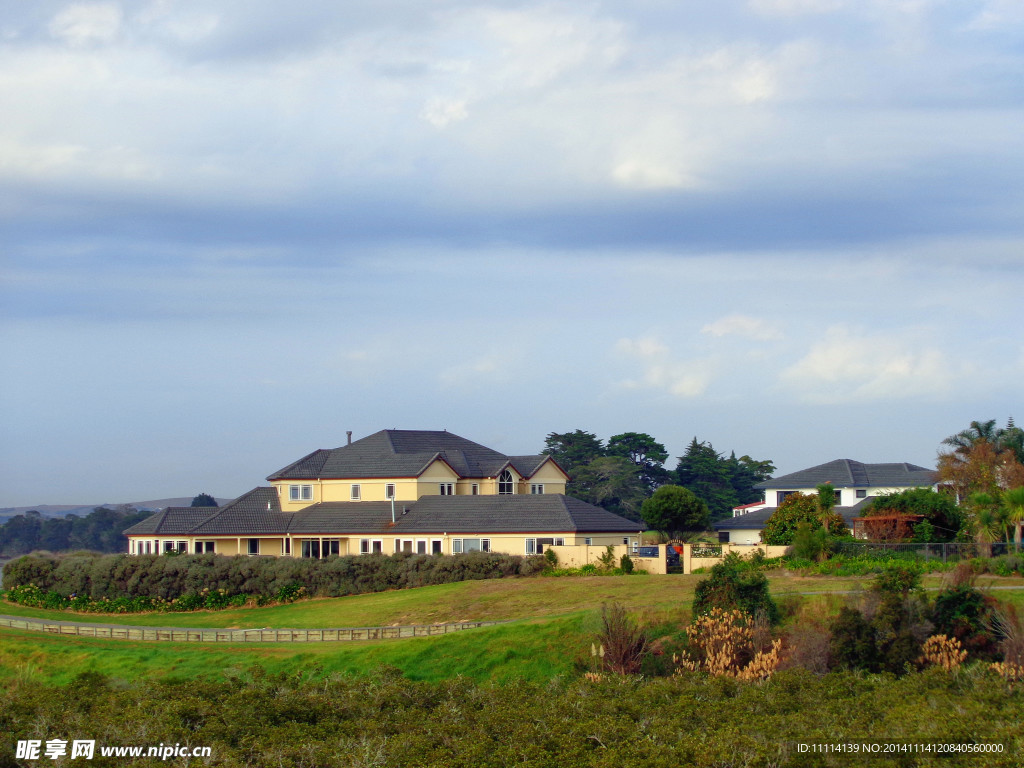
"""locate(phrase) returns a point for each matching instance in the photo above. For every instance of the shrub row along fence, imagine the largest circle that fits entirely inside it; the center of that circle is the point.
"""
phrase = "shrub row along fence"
(947, 552)
(121, 578)
(182, 635)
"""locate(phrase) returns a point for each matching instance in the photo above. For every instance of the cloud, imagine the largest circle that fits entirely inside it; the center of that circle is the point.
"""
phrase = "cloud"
(850, 365)
(83, 24)
(680, 378)
(755, 328)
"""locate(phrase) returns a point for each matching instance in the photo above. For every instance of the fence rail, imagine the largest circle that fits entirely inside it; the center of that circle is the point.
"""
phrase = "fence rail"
(182, 635)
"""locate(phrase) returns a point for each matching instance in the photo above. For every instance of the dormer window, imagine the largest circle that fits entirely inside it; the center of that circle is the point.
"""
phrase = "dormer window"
(506, 484)
(300, 492)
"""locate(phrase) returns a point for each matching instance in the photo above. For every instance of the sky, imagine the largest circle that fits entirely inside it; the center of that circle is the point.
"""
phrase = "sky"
(232, 230)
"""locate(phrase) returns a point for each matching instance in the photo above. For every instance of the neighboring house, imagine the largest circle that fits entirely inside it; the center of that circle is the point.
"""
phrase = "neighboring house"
(395, 491)
(855, 484)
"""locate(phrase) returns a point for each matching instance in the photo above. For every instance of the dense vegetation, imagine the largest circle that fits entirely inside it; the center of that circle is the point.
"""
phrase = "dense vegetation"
(119, 583)
(100, 530)
(304, 719)
(621, 474)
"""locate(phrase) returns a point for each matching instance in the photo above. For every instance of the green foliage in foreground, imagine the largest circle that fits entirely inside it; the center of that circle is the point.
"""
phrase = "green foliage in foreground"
(308, 719)
(205, 600)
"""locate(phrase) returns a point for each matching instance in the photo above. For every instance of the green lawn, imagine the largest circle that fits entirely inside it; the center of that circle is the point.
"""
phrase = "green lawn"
(553, 624)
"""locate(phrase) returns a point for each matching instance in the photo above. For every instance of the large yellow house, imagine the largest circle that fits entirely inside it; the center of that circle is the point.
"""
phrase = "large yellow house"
(425, 492)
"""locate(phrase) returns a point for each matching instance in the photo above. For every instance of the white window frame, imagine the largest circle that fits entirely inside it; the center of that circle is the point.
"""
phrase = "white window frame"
(511, 483)
(531, 546)
(456, 546)
(839, 497)
(474, 489)
(559, 542)
(204, 547)
(248, 546)
(400, 546)
(537, 489)
(426, 547)
(446, 489)
(861, 493)
(439, 547)
(389, 490)
(366, 546)
(355, 492)
(300, 492)
(588, 541)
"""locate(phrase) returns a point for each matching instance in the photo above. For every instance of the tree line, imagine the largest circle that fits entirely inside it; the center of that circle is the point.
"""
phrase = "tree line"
(623, 473)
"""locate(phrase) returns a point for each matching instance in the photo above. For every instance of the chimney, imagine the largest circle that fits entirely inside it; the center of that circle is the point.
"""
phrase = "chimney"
(349, 433)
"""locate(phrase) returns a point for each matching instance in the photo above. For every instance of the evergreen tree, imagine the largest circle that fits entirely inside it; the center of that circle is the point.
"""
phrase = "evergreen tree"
(706, 473)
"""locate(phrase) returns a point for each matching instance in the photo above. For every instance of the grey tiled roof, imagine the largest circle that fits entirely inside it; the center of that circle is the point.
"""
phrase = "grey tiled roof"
(248, 515)
(405, 453)
(759, 517)
(172, 520)
(846, 473)
(256, 512)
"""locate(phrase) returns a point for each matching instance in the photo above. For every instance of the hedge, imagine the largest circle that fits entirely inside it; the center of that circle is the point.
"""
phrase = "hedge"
(162, 577)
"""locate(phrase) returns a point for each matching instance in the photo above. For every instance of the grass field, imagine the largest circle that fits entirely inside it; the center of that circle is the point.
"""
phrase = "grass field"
(553, 623)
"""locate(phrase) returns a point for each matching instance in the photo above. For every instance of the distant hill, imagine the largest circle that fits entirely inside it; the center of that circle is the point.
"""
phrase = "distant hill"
(60, 510)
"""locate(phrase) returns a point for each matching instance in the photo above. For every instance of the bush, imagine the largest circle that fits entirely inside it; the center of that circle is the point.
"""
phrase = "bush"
(732, 585)
(621, 644)
(123, 583)
(626, 564)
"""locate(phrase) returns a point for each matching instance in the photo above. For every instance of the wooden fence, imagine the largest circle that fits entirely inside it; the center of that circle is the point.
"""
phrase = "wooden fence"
(180, 635)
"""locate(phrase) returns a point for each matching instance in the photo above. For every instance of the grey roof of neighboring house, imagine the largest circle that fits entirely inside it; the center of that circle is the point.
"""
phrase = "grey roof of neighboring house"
(249, 515)
(759, 517)
(846, 473)
(405, 453)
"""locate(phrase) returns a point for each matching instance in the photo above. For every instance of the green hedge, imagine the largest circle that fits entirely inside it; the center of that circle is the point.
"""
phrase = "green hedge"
(215, 577)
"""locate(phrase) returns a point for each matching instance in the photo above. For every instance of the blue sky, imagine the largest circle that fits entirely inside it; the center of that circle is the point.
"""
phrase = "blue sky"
(230, 232)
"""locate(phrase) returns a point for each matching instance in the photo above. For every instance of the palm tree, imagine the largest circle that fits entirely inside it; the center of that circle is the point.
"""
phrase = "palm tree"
(1013, 503)
(978, 432)
(986, 521)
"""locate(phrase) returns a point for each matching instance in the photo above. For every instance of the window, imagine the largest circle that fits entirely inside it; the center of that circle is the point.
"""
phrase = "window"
(286, 546)
(435, 546)
(204, 547)
(354, 493)
(470, 545)
(780, 496)
(447, 489)
(506, 485)
(311, 548)
(588, 541)
(839, 498)
(536, 488)
(862, 493)
(403, 545)
(559, 542)
(389, 491)
(474, 489)
(254, 546)
(371, 546)
(168, 547)
(300, 492)
(332, 547)
(148, 551)
(531, 546)
(421, 546)
(723, 537)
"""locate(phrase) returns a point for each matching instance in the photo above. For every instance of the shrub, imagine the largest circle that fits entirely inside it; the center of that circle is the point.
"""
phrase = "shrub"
(621, 644)
(551, 558)
(626, 564)
(962, 612)
(733, 585)
(725, 645)
(942, 651)
(853, 642)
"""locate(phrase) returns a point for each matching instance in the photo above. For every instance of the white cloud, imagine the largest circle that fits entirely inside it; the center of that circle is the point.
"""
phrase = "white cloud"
(87, 23)
(755, 328)
(795, 7)
(855, 365)
(681, 378)
(441, 112)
